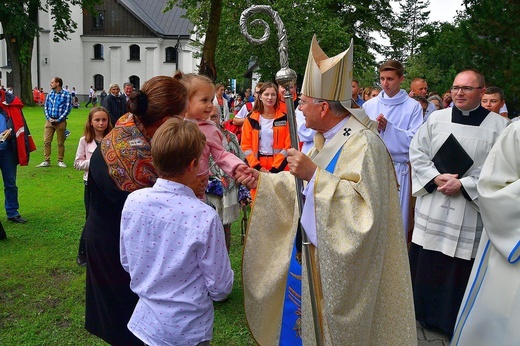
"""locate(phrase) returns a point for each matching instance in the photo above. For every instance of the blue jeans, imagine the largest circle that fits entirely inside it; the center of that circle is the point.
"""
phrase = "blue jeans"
(8, 163)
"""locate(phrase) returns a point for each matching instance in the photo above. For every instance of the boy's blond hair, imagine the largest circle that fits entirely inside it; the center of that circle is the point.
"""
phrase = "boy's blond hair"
(175, 144)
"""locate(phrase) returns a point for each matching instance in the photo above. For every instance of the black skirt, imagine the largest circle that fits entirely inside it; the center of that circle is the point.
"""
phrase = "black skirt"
(109, 300)
(438, 283)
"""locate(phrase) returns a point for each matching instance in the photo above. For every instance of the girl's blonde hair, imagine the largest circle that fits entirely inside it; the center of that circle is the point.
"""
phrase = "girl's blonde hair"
(89, 132)
(192, 81)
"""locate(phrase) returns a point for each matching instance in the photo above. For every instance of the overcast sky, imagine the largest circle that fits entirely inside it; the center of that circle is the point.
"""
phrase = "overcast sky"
(440, 10)
(444, 10)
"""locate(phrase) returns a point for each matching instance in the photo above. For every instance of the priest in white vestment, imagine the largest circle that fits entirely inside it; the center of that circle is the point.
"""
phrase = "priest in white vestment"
(488, 314)
(448, 224)
(351, 216)
(398, 117)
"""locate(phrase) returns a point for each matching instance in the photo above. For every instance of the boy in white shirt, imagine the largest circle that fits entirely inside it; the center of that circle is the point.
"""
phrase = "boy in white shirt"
(173, 246)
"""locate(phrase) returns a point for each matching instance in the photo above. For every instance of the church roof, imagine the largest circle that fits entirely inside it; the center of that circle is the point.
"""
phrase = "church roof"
(169, 24)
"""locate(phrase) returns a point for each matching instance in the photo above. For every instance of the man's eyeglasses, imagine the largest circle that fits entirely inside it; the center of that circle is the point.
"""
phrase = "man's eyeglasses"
(465, 89)
(301, 102)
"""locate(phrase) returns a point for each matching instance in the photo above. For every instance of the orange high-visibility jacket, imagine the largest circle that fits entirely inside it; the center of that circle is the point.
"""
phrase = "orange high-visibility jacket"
(282, 140)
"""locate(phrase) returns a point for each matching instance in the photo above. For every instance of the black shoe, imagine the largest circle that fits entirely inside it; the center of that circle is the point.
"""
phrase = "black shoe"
(81, 260)
(17, 219)
(3, 235)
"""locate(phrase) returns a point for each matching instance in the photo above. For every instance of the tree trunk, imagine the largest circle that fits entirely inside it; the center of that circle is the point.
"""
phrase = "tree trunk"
(20, 46)
(20, 54)
(207, 63)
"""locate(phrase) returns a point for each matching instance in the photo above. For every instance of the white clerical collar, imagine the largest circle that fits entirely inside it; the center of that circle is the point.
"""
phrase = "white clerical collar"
(466, 113)
(330, 133)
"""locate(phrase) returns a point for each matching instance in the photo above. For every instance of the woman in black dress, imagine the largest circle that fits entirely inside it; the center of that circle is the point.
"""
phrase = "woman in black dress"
(121, 164)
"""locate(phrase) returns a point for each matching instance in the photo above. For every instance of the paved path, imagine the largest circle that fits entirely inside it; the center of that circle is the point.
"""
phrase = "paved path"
(426, 337)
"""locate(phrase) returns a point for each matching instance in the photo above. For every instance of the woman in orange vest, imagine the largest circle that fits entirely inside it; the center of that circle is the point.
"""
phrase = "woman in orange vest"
(265, 133)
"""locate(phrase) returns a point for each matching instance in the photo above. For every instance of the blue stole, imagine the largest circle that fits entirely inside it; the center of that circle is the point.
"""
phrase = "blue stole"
(290, 333)
(333, 162)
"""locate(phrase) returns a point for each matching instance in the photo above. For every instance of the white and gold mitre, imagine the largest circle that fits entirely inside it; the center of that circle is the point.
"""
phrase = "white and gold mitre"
(331, 79)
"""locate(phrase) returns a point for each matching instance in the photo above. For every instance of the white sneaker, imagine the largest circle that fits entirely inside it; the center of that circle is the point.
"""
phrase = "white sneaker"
(44, 164)
(61, 164)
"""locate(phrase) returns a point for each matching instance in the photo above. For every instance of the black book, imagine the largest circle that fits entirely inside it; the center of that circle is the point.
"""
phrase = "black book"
(452, 158)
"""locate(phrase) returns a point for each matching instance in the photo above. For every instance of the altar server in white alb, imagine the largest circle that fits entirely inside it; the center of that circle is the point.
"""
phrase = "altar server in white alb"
(399, 117)
(488, 314)
(448, 224)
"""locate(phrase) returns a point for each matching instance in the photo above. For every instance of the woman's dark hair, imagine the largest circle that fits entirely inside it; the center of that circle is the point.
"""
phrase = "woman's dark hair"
(259, 105)
(159, 97)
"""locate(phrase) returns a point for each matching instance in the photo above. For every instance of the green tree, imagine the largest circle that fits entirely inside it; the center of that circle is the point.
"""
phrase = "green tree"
(207, 64)
(490, 30)
(206, 16)
(408, 29)
(441, 54)
(334, 23)
(19, 20)
(483, 37)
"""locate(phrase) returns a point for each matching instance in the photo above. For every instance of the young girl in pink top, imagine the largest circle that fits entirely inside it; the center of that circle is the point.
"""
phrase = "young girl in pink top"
(97, 127)
(201, 92)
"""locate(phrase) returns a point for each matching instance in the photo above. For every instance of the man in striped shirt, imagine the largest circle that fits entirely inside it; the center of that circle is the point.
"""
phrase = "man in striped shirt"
(58, 105)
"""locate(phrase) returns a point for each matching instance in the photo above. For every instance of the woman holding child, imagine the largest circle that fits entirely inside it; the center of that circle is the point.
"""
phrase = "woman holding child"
(122, 164)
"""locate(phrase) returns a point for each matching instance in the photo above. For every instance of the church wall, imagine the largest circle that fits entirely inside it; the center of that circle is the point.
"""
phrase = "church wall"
(73, 60)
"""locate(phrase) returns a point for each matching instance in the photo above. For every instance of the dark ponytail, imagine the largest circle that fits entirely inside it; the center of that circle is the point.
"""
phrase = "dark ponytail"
(138, 103)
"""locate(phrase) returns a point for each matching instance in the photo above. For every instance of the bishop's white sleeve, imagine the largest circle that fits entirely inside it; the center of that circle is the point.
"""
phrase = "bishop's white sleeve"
(308, 219)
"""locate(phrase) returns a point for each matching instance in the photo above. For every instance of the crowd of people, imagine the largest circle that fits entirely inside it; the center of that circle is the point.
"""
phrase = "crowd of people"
(396, 221)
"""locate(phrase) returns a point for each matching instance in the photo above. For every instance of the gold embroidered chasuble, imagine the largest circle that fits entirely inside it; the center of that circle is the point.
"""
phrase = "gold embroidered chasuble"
(363, 275)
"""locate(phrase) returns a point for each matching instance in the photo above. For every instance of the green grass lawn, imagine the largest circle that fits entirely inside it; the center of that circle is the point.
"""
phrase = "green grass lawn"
(41, 287)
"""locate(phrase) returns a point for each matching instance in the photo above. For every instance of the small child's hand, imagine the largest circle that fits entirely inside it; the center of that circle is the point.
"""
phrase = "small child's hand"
(240, 170)
(248, 177)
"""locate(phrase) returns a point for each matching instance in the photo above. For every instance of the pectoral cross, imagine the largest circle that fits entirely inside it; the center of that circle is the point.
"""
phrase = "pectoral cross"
(447, 207)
